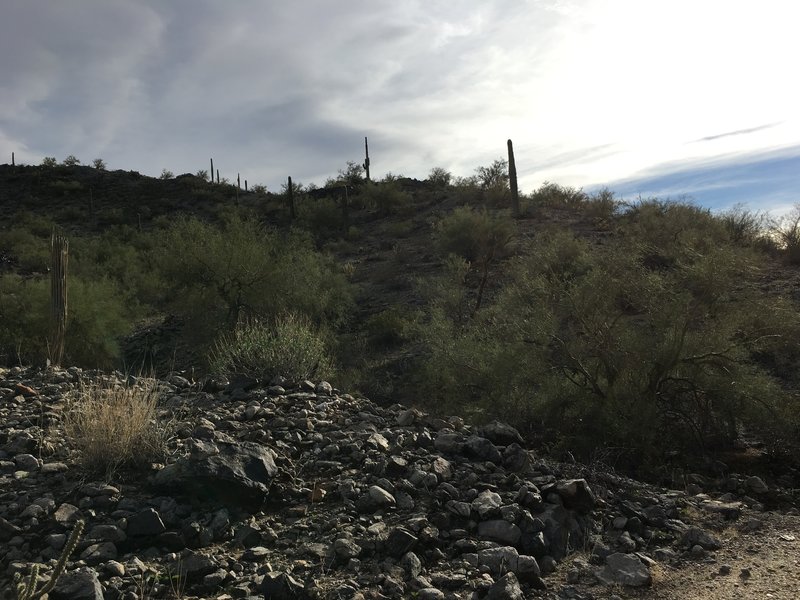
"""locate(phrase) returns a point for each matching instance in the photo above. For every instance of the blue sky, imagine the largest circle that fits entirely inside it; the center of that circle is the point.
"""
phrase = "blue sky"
(678, 97)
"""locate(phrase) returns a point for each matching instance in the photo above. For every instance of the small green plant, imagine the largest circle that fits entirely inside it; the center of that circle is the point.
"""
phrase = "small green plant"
(26, 590)
(166, 174)
(99, 164)
(202, 174)
(71, 161)
(49, 162)
(290, 347)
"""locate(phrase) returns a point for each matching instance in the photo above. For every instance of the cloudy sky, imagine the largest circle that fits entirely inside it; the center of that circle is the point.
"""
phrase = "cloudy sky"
(648, 97)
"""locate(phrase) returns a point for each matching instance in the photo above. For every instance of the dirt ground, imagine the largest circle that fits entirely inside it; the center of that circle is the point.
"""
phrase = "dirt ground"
(760, 558)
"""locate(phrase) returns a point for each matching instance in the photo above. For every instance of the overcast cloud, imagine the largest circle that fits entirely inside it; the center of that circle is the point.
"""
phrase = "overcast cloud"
(591, 91)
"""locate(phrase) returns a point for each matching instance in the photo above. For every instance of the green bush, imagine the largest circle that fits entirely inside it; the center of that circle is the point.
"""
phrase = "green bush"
(289, 347)
(609, 348)
(323, 217)
(389, 328)
(554, 195)
(218, 275)
(475, 235)
(31, 252)
(440, 177)
(98, 317)
(387, 198)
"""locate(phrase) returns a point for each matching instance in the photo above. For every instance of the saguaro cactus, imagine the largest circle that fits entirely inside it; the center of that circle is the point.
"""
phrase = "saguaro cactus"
(290, 192)
(211, 172)
(26, 590)
(59, 251)
(12, 159)
(366, 159)
(512, 180)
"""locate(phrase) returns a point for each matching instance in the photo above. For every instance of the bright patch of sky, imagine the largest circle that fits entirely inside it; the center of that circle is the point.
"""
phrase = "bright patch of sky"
(696, 97)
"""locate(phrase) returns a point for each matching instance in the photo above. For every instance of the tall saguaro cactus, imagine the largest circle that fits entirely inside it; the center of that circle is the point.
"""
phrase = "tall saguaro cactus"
(366, 159)
(211, 172)
(512, 180)
(59, 251)
(290, 191)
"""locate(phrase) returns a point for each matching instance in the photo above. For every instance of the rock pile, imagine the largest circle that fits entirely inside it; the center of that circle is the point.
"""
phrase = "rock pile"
(277, 491)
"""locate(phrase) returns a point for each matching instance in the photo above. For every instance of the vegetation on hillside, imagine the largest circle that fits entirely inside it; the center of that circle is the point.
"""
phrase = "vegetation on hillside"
(640, 329)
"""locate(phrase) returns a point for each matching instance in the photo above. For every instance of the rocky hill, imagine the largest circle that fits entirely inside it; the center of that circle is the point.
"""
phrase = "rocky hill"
(272, 490)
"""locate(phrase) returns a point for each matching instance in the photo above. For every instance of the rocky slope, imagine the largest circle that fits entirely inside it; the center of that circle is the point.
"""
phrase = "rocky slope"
(279, 491)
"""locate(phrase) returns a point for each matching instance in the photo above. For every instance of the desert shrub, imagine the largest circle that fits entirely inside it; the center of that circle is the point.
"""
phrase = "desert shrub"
(99, 164)
(389, 328)
(259, 189)
(30, 252)
(495, 175)
(217, 275)
(475, 235)
(351, 175)
(49, 161)
(166, 174)
(553, 194)
(607, 349)
(387, 198)
(66, 186)
(392, 177)
(323, 217)
(786, 231)
(289, 346)
(115, 426)
(601, 207)
(440, 177)
(71, 161)
(744, 226)
(98, 317)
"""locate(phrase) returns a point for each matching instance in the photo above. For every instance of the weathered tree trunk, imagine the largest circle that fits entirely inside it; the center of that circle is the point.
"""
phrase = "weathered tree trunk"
(59, 251)
(512, 180)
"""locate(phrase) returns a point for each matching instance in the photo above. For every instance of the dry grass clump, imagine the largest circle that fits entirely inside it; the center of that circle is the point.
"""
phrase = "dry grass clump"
(115, 426)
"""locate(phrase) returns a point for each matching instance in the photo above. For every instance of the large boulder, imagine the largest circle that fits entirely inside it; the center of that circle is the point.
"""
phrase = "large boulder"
(238, 473)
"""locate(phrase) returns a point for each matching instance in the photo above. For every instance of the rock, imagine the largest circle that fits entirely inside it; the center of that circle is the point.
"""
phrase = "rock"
(502, 434)
(324, 388)
(624, 569)
(99, 553)
(26, 462)
(380, 497)
(499, 530)
(442, 469)
(694, 536)
(486, 504)
(506, 588)
(482, 449)
(400, 541)
(499, 560)
(282, 586)
(66, 514)
(756, 485)
(81, 584)
(239, 473)
(346, 548)
(430, 594)
(576, 495)
(448, 442)
(146, 523)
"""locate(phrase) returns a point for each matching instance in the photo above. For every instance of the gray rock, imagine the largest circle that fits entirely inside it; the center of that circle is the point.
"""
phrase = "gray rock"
(624, 569)
(482, 449)
(442, 469)
(99, 553)
(499, 433)
(430, 593)
(66, 514)
(499, 560)
(448, 442)
(486, 504)
(145, 523)
(238, 474)
(380, 497)
(412, 564)
(499, 530)
(400, 541)
(505, 588)
(694, 536)
(282, 586)
(81, 584)
(346, 548)
(576, 494)
(756, 485)
(26, 462)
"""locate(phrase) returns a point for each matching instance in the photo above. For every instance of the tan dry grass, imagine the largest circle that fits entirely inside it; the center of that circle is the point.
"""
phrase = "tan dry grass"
(114, 426)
